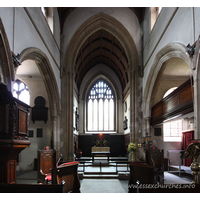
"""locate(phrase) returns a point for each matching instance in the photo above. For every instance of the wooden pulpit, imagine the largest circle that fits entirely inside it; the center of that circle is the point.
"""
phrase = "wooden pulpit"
(13, 133)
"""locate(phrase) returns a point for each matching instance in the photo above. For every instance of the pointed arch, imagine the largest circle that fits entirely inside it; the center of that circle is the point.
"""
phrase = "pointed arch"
(100, 75)
(48, 76)
(111, 25)
(90, 26)
(169, 51)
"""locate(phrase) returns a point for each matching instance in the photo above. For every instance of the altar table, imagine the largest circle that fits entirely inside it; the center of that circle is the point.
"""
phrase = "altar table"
(100, 151)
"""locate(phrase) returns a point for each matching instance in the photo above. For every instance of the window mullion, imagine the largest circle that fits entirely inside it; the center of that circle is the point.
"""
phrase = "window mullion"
(92, 114)
(103, 114)
(98, 115)
(108, 114)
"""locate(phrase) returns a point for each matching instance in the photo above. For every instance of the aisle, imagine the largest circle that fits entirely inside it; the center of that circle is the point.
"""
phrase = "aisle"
(102, 186)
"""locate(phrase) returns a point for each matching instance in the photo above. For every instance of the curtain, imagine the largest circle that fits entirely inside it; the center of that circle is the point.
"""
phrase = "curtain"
(187, 136)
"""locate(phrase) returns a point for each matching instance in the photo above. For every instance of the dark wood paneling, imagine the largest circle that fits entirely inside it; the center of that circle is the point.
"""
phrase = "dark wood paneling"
(157, 111)
(3, 173)
(170, 104)
(13, 133)
(185, 94)
(11, 168)
(179, 102)
(115, 142)
(23, 122)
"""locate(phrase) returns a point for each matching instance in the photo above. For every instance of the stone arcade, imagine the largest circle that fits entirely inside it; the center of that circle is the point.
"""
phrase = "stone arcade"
(101, 71)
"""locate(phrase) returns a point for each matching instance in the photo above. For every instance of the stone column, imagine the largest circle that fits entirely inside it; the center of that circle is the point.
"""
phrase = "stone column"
(56, 133)
(132, 107)
(196, 79)
(67, 116)
(135, 117)
(146, 126)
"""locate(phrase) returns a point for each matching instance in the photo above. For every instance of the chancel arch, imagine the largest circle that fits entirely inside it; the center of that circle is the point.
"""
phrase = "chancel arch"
(108, 30)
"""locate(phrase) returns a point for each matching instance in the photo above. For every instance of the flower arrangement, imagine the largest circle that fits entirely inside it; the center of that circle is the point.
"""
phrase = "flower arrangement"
(97, 143)
(104, 142)
(100, 143)
(132, 147)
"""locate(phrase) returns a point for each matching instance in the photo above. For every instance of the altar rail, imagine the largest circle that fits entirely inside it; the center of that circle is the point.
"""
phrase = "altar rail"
(101, 164)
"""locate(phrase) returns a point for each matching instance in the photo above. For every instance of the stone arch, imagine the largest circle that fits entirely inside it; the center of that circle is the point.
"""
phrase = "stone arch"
(95, 23)
(49, 79)
(169, 51)
(6, 60)
(47, 74)
(90, 26)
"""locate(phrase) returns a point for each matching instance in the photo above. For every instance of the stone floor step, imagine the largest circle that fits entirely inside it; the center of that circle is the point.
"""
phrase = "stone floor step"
(99, 176)
(101, 173)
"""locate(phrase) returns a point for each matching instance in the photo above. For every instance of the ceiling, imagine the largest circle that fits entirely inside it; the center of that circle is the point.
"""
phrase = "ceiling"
(28, 69)
(64, 12)
(102, 47)
(176, 67)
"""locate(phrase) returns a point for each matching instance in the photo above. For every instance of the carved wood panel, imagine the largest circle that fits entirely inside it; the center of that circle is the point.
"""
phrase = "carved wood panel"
(11, 171)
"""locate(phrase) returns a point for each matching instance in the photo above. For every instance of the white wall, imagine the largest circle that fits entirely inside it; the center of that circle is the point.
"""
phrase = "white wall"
(172, 26)
(127, 114)
(26, 157)
(27, 27)
(74, 115)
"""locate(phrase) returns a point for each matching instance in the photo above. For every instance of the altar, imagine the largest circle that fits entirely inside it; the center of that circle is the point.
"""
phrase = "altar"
(100, 151)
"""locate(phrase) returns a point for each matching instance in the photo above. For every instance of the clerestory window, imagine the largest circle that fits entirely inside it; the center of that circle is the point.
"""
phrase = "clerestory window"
(101, 108)
(21, 91)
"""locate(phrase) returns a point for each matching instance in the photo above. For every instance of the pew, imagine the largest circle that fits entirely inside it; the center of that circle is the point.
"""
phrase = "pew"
(47, 159)
(143, 173)
(69, 173)
(32, 188)
(156, 158)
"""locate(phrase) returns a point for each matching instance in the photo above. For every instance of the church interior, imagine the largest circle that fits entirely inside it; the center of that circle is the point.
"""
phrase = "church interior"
(99, 93)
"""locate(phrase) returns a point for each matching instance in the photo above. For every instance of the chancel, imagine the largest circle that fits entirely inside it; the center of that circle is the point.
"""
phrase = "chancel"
(105, 97)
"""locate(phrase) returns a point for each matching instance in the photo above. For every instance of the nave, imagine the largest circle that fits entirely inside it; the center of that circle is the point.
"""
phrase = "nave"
(104, 182)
